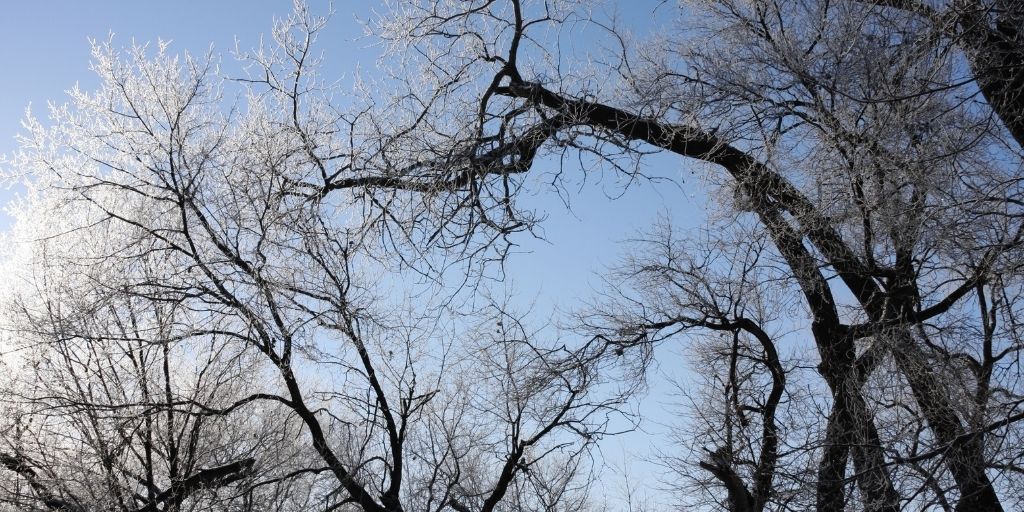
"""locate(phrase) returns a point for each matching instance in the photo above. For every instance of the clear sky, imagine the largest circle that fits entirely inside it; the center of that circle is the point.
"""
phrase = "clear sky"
(44, 51)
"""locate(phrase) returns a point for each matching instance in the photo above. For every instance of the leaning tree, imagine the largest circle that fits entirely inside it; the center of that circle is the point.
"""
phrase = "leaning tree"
(876, 145)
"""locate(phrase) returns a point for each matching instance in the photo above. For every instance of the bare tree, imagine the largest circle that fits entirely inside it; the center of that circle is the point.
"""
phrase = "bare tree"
(876, 145)
(866, 157)
(201, 280)
(748, 414)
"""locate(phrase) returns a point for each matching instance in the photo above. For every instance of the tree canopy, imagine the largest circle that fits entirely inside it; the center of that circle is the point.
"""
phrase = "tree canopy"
(264, 292)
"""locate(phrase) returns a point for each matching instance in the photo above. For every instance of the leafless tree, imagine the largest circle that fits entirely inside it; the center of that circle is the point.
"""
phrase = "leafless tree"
(217, 329)
(749, 419)
(876, 145)
(866, 159)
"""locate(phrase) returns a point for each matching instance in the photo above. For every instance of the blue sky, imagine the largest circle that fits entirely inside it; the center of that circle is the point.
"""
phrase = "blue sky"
(44, 47)
(44, 51)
